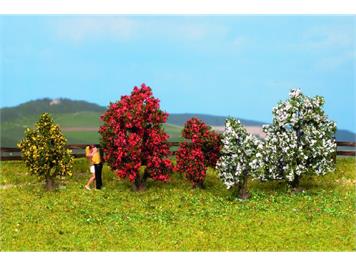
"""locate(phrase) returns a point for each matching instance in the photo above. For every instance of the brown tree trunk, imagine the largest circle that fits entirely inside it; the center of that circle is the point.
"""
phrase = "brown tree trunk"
(140, 182)
(50, 185)
(295, 184)
(296, 180)
(199, 184)
(242, 192)
(139, 187)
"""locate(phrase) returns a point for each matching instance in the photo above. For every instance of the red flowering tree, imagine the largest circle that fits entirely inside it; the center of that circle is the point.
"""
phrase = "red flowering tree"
(190, 162)
(202, 151)
(132, 136)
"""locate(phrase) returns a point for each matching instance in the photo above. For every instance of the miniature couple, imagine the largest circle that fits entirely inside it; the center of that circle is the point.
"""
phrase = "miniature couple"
(92, 152)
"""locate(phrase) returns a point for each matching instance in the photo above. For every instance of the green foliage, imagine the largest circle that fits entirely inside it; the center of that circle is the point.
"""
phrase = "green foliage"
(172, 217)
(44, 152)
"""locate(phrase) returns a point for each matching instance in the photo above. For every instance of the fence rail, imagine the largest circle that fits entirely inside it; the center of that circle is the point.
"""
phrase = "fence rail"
(14, 154)
(341, 151)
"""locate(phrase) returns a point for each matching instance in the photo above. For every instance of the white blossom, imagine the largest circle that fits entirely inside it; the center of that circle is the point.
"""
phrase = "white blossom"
(239, 157)
(300, 139)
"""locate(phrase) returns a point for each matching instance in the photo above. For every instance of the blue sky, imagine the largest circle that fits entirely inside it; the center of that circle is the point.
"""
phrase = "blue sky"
(223, 65)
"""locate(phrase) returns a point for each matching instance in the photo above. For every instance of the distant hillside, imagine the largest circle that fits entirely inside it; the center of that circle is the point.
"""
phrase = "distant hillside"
(345, 135)
(80, 121)
(55, 106)
(219, 121)
(212, 120)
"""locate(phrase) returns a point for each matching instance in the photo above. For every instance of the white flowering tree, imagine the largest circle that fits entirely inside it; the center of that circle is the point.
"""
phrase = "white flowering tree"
(239, 157)
(299, 141)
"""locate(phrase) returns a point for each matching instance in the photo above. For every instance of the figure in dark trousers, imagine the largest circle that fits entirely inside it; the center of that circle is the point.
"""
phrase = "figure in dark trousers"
(98, 165)
(98, 169)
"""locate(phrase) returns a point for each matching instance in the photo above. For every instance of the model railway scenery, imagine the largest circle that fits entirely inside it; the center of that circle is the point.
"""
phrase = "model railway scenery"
(177, 133)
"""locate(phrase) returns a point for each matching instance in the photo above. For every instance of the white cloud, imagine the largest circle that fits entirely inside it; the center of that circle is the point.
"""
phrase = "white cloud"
(79, 29)
(203, 36)
(327, 37)
(333, 62)
(334, 46)
(192, 32)
(127, 28)
(239, 41)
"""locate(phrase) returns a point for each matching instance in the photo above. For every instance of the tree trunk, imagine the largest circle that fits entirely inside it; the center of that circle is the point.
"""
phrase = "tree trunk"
(242, 192)
(50, 185)
(140, 182)
(295, 184)
(296, 180)
(139, 187)
(199, 184)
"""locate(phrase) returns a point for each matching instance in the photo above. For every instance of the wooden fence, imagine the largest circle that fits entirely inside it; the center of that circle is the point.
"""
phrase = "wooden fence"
(14, 154)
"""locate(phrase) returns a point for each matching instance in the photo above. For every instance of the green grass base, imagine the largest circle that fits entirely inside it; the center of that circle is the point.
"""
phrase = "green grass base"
(173, 217)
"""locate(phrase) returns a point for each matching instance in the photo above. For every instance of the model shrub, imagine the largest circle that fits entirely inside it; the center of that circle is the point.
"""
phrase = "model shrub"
(239, 157)
(199, 151)
(132, 137)
(299, 141)
(44, 151)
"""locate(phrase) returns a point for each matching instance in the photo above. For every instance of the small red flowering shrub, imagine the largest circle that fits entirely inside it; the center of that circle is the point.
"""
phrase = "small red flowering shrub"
(194, 157)
(132, 136)
(211, 146)
(190, 161)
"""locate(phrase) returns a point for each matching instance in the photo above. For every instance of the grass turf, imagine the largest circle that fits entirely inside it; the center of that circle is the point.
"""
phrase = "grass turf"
(173, 217)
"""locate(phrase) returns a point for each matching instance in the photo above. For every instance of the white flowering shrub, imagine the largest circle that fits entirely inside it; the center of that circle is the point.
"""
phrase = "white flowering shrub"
(299, 141)
(239, 156)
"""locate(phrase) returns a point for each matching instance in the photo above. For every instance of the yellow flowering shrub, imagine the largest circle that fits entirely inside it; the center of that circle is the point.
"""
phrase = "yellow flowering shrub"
(44, 151)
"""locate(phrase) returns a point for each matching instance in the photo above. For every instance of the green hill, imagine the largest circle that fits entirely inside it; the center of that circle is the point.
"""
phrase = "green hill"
(80, 121)
(212, 120)
(79, 128)
(56, 106)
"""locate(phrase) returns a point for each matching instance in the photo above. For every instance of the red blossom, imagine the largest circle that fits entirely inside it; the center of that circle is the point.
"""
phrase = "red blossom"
(132, 136)
(194, 157)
